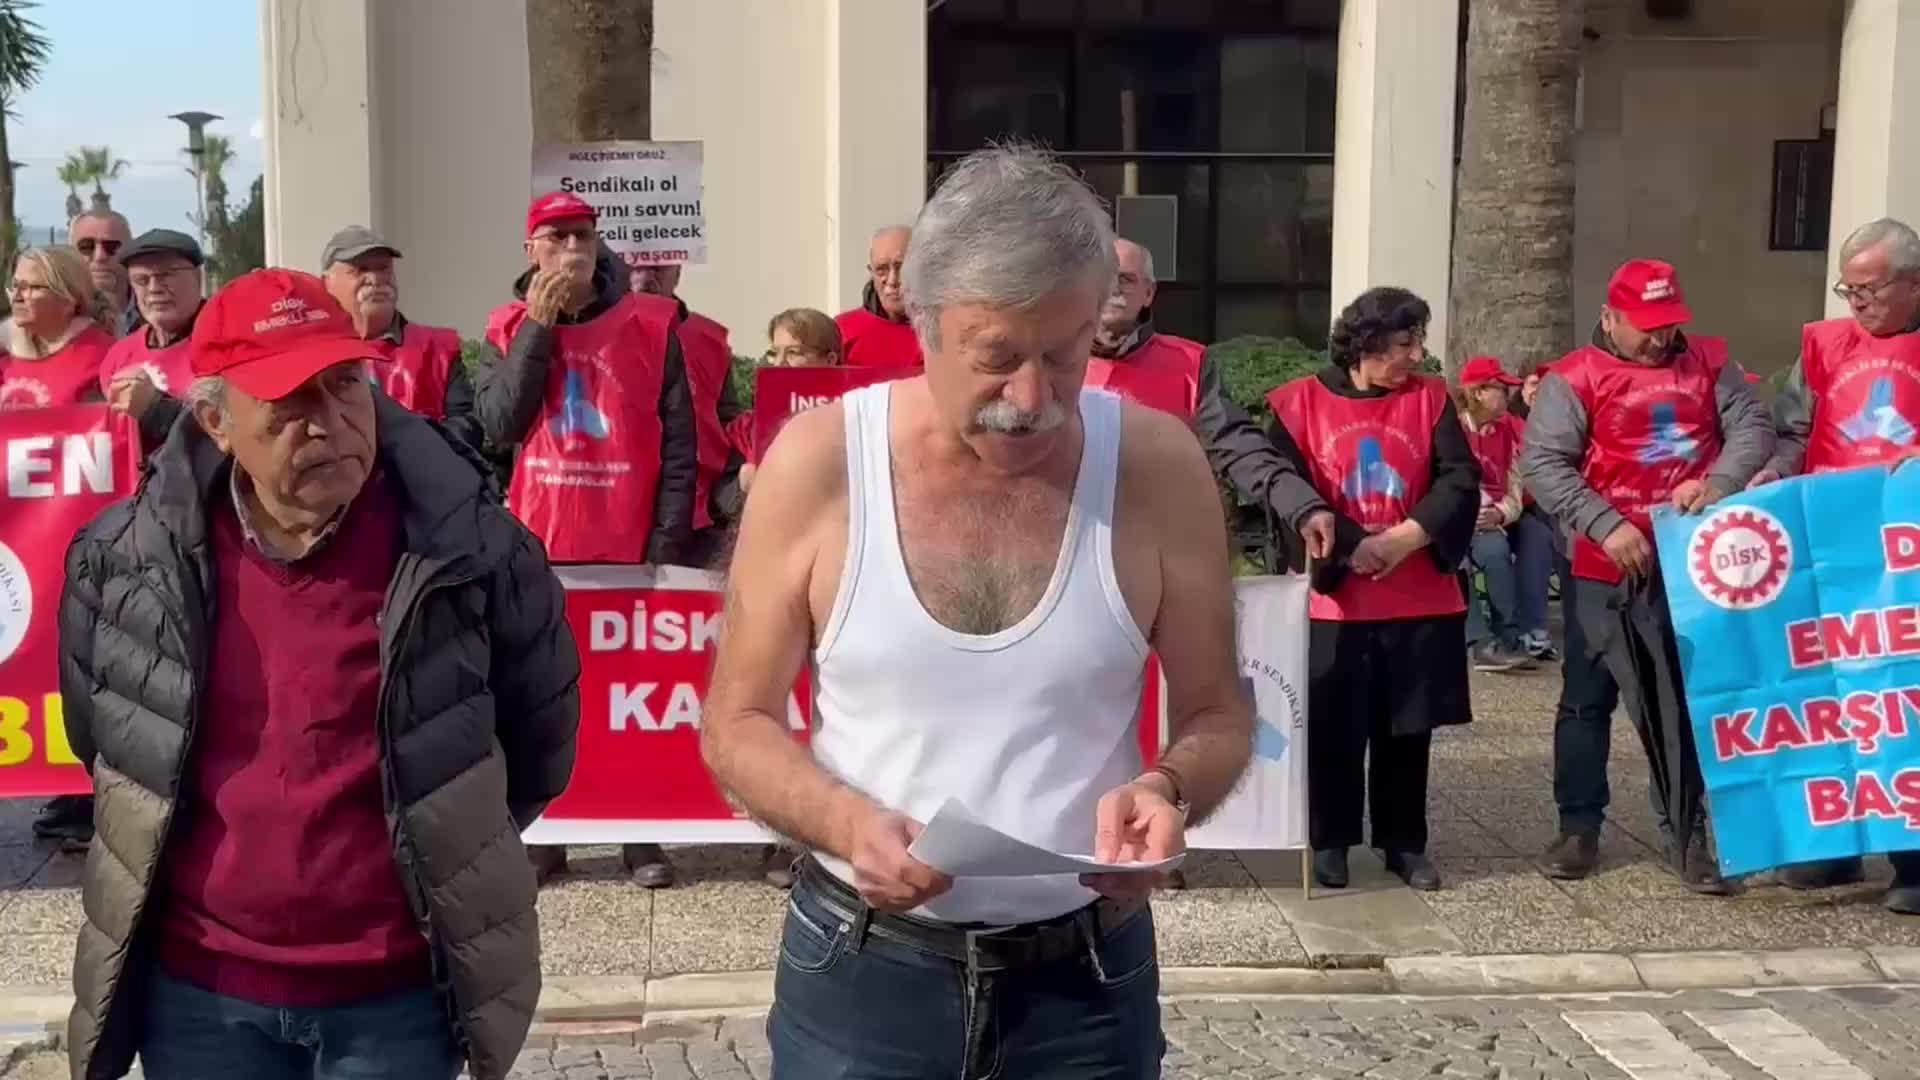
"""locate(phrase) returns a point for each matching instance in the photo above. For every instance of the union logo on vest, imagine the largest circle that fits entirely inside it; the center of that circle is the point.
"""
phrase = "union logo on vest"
(579, 416)
(1879, 417)
(1668, 440)
(1372, 477)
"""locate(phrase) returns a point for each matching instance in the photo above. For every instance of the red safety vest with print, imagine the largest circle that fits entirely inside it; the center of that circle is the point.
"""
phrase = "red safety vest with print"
(867, 340)
(1865, 392)
(70, 376)
(170, 367)
(1649, 430)
(1163, 373)
(1496, 446)
(709, 360)
(1372, 460)
(416, 372)
(584, 478)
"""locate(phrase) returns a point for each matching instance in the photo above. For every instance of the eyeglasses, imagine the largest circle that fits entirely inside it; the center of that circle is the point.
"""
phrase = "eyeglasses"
(583, 234)
(87, 246)
(885, 269)
(147, 279)
(1867, 293)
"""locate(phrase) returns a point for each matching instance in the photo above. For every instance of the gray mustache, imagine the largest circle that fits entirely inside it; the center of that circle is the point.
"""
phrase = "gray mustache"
(1007, 419)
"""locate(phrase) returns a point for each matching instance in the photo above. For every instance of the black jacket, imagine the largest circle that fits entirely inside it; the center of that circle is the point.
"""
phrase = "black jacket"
(508, 398)
(479, 708)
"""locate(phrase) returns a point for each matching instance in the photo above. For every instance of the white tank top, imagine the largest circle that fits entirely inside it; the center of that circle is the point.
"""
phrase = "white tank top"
(1027, 727)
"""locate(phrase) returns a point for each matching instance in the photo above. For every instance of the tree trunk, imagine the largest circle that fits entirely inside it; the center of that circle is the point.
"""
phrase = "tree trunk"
(9, 238)
(590, 65)
(1512, 290)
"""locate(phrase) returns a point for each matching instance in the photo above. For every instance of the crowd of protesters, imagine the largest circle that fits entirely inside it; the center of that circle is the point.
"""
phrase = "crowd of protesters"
(599, 425)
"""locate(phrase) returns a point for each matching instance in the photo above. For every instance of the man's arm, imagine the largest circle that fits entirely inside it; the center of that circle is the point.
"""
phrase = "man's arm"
(1746, 432)
(726, 496)
(765, 632)
(1550, 460)
(535, 679)
(1447, 511)
(513, 386)
(1792, 423)
(1239, 452)
(1209, 716)
(457, 408)
(679, 461)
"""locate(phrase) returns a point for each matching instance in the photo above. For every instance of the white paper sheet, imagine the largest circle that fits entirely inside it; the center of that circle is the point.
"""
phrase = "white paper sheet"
(959, 844)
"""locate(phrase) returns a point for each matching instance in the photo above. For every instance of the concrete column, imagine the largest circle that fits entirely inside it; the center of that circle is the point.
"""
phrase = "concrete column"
(321, 167)
(1876, 160)
(1393, 152)
(876, 131)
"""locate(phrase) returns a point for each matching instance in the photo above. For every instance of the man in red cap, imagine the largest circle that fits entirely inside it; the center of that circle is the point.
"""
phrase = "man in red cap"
(322, 680)
(587, 383)
(1642, 416)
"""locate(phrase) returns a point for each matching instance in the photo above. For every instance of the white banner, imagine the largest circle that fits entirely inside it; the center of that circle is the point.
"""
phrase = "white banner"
(1269, 809)
(649, 194)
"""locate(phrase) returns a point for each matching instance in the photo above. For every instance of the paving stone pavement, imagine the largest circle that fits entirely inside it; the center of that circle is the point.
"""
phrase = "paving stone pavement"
(1861, 1033)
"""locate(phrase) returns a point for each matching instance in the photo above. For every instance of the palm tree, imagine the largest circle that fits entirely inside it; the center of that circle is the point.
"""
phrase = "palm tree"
(99, 165)
(592, 70)
(1512, 291)
(23, 53)
(73, 173)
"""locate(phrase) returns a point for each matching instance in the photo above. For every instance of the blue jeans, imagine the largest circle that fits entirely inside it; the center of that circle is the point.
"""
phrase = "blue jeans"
(1517, 562)
(189, 1034)
(863, 1010)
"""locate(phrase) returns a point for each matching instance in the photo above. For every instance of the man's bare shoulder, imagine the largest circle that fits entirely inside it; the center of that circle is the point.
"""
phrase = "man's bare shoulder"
(807, 462)
(1161, 460)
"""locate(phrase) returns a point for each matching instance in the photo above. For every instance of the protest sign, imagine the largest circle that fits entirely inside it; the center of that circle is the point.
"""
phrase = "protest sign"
(63, 466)
(779, 392)
(1797, 611)
(1269, 809)
(649, 195)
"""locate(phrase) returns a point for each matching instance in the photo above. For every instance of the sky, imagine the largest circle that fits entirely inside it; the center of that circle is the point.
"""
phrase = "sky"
(118, 70)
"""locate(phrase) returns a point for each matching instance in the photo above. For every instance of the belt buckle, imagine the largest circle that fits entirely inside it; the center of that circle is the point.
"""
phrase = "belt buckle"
(974, 954)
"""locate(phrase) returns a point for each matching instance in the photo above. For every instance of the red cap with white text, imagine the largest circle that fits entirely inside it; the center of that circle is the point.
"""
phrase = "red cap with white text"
(558, 206)
(1647, 293)
(270, 331)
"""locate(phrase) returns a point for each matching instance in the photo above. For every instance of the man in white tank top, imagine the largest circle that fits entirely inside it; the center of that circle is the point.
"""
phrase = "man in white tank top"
(976, 563)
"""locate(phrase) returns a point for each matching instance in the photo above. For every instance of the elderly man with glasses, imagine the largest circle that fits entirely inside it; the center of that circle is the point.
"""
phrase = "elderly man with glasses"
(146, 373)
(99, 235)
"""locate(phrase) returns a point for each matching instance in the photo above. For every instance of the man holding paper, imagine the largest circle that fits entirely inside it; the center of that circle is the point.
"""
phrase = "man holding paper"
(980, 559)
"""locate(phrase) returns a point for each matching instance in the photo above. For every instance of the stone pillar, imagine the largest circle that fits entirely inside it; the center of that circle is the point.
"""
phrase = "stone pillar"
(876, 131)
(1876, 160)
(318, 125)
(1393, 151)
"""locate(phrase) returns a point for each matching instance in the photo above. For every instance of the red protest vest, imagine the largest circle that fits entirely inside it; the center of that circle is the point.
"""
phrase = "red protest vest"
(584, 478)
(70, 376)
(1649, 430)
(1865, 392)
(170, 367)
(709, 360)
(1163, 373)
(740, 434)
(867, 340)
(416, 372)
(1371, 459)
(1496, 446)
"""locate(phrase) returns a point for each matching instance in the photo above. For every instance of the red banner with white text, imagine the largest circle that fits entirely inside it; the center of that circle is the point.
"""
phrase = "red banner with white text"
(62, 466)
(779, 392)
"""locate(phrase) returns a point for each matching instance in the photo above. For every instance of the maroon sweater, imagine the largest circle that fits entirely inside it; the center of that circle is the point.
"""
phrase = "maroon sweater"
(280, 885)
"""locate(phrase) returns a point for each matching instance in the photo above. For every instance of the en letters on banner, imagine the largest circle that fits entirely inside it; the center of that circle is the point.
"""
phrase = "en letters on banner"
(63, 466)
(649, 194)
(1797, 611)
(780, 392)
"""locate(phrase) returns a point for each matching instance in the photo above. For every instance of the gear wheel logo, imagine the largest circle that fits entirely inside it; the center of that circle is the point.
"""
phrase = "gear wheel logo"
(1739, 558)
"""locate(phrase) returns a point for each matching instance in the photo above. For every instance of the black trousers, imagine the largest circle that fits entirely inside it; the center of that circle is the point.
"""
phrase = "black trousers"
(1582, 721)
(1375, 692)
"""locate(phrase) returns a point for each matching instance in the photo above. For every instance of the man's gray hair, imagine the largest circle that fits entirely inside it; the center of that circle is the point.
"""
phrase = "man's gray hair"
(1008, 227)
(209, 390)
(1903, 244)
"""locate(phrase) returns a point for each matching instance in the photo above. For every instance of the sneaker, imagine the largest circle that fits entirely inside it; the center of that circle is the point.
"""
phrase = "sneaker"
(648, 865)
(1573, 856)
(1493, 656)
(1540, 647)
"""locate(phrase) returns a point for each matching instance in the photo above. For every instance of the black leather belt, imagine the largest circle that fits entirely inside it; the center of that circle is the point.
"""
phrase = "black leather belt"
(982, 948)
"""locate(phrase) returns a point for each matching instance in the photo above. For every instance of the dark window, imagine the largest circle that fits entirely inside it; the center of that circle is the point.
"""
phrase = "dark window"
(1802, 194)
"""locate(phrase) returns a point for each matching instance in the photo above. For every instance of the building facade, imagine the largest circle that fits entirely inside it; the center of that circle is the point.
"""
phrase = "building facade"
(1279, 155)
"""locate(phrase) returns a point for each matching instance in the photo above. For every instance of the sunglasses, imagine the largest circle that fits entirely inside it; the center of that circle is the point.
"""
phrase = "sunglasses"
(87, 246)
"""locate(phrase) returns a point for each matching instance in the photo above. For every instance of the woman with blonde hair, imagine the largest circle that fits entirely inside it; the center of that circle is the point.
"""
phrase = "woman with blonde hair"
(52, 347)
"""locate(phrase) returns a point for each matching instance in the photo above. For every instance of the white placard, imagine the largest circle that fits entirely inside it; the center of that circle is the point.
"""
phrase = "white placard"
(649, 194)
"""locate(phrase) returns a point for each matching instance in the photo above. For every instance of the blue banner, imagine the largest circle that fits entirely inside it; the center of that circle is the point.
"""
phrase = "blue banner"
(1797, 609)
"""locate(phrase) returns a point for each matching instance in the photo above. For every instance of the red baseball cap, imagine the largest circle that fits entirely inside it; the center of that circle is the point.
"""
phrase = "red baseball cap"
(558, 206)
(1647, 293)
(1486, 369)
(270, 331)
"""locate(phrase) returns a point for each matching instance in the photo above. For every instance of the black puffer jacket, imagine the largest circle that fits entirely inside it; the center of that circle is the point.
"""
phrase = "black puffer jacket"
(479, 705)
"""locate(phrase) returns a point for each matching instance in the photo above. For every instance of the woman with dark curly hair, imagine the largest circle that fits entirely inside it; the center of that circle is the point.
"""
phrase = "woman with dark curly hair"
(1387, 648)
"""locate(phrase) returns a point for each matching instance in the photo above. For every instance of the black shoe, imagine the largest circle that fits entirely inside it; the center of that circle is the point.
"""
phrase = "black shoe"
(1820, 874)
(1571, 857)
(1415, 869)
(1493, 656)
(67, 820)
(648, 865)
(549, 862)
(1330, 867)
(1701, 871)
(1903, 899)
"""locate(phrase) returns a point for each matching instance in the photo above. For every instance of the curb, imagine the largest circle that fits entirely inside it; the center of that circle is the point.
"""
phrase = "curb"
(582, 1006)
